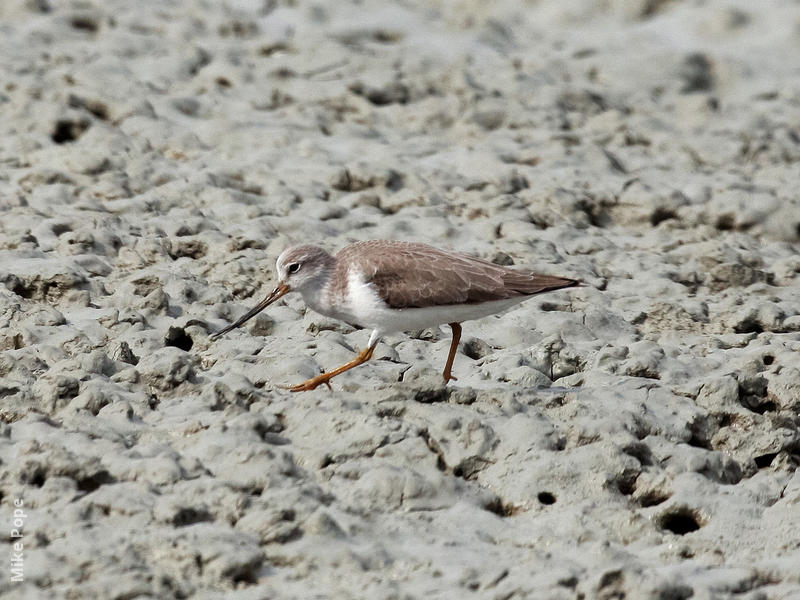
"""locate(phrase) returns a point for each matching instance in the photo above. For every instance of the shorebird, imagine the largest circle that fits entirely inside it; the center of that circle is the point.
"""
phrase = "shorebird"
(390, 286)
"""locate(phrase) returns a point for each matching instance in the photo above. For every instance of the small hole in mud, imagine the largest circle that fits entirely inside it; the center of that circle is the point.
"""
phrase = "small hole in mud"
(725, 222)
(91, 483)
(245, 576)
(546, 498)
(764, 407)
(85, 23)
(38, 478)
(653, 498)
(626, 484)
(288, 515)
(189, 516)
(17, 286)
(748, 326)
(765, 460)
(178, 338)
(662, 214)
(698, 440)
(387, 37)
(680, 521)
(59, 228)
(768, 359)
(68, 131)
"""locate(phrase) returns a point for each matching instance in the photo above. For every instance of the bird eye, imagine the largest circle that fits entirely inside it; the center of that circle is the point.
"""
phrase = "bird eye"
(293, 268)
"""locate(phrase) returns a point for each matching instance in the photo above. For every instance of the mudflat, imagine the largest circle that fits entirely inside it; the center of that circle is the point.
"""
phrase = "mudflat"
(637, 438)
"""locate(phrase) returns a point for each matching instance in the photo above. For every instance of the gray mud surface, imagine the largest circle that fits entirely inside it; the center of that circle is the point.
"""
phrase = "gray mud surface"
(637, 438)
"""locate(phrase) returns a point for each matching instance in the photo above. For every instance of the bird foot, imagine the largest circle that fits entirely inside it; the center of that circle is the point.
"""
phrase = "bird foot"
(310, 384)
(315, 382)
(449, 377)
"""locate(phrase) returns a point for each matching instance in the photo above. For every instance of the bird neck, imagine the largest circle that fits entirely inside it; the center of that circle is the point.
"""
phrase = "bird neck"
(316, 292)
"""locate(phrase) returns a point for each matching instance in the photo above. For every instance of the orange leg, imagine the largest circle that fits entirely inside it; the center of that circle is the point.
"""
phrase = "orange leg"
(456, 327)
(326, 377)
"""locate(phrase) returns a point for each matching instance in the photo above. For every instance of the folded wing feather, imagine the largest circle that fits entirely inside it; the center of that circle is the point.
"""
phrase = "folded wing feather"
(407, 275)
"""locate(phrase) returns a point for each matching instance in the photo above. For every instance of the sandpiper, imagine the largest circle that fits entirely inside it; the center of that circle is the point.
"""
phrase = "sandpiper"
(390, 286)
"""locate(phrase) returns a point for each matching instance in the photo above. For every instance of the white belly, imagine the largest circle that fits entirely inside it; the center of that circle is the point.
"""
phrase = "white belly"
(409, 319)
(364, 307)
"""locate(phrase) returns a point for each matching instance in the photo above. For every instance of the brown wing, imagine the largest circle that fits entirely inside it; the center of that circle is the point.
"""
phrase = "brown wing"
(408, 275)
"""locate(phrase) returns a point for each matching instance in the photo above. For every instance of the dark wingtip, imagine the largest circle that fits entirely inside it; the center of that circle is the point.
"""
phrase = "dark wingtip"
(569, 283)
